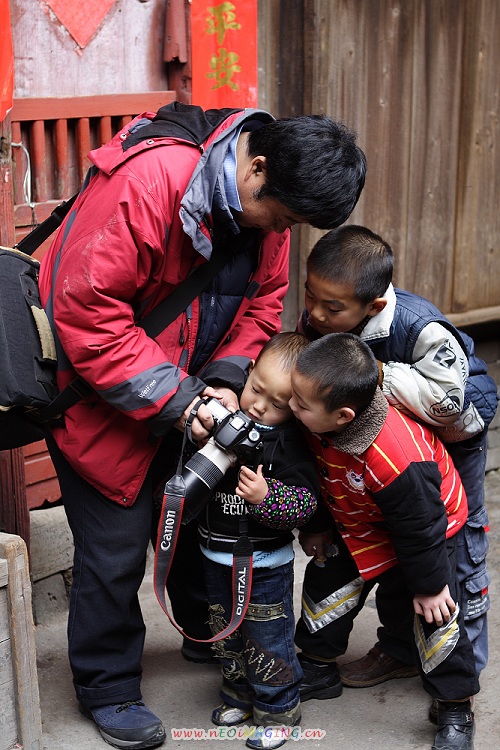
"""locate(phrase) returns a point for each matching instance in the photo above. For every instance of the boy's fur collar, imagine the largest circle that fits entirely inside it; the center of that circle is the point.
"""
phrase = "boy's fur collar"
(362, 431)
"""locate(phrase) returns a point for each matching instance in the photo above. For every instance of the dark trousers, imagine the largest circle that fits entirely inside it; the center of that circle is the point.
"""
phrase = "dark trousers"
(105, 627)
(469, 458)
(334, 595)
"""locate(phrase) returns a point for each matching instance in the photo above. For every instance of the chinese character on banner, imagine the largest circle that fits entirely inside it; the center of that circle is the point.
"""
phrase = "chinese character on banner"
(6, 60)
(224, 53)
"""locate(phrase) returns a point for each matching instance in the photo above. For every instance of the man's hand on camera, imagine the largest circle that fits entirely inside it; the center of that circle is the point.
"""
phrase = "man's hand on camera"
(228, 398)
(252, 485)
(203, 423)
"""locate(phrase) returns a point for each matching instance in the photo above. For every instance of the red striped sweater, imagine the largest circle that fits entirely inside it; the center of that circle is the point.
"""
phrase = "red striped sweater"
(394, 493)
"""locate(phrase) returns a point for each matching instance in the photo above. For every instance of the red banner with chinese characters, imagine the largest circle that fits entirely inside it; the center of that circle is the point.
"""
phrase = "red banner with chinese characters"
(224, 53)
(6, 60)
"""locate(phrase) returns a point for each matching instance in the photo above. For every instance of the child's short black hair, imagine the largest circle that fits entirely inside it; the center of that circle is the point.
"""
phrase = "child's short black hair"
(344, 370)
(286, 347)
(356, 256)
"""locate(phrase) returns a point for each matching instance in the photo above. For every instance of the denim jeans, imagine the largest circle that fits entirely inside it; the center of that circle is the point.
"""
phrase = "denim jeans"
(259, 664)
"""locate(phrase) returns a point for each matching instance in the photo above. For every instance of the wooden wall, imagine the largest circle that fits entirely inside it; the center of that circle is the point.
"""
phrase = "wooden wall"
(418, 81)
(125, 54)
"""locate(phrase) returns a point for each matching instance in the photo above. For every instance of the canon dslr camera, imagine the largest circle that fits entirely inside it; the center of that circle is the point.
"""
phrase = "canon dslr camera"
(234, 438)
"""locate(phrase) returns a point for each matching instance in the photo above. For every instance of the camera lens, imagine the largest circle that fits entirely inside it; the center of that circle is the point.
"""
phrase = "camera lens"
(201, 474)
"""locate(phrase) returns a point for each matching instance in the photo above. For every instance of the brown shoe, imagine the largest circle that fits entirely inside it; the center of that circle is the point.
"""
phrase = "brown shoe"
(374, 668)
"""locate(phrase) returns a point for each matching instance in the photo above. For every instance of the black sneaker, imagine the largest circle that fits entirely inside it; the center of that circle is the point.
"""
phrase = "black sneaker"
(127, 725)
(321, 680)
(455, 726)
(198, 653)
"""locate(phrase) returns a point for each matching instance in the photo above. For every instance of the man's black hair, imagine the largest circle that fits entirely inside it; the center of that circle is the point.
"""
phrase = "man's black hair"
(354, 256)
(343, 370)
(313, 167)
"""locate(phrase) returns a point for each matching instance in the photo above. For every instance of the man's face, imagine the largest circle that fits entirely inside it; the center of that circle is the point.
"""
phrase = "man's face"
(261, 213)
(308, 408)
(267, 214)
(333, 307)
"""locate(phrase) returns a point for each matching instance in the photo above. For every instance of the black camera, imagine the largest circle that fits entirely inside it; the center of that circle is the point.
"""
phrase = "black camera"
(234, 438)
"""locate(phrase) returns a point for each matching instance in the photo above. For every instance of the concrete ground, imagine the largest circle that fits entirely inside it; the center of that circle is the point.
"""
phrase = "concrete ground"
(391, 716)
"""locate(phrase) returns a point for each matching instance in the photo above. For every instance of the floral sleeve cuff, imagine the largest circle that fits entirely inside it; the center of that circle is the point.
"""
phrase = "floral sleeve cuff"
(284, 507)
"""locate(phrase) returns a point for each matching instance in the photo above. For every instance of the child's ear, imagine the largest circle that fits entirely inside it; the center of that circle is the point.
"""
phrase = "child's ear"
(251, 366)
(377, 306)
(346, 415)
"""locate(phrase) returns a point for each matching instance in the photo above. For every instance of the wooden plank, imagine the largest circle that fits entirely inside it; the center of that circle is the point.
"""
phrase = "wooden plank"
(47, 491)
(39, 468)
(431, 170)
(24, 222)
(61, 157)
(105, 130)
(476, 271)
(6, 677)
(82, 147)
(18, 160)
(38, 161)
(472, 317)
(69, 107)
(34, 449)
(41, 480)
(23, 214)
(4, 572)
(13, 549)
(8, 720)
(52, 542)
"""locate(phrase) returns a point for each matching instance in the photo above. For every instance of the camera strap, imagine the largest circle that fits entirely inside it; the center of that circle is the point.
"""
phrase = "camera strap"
(168, 532)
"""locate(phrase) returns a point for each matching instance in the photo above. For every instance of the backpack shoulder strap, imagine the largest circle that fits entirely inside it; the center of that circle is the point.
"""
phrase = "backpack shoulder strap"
(34, 239)
(167, 311)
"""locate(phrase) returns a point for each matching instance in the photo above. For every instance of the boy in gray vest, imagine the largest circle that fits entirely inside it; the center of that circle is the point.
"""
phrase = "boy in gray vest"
(428, 370)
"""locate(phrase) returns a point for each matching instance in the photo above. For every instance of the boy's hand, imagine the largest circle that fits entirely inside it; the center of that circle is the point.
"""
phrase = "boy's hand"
(252, 485)
(314, 545)
(437, 608)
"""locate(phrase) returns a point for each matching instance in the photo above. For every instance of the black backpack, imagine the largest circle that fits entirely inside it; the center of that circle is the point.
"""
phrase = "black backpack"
(29, 398)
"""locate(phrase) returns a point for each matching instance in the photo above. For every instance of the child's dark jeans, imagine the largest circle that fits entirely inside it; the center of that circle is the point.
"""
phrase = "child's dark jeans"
(259, 664)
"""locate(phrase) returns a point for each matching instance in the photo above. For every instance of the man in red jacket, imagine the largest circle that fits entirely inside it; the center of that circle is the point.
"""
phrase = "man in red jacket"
(164, 193)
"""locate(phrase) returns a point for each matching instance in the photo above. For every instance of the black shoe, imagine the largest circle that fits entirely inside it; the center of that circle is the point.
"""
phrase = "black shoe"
(321, 680)
(127, 725)
(455, 726)
(198, 653)
(433, 709)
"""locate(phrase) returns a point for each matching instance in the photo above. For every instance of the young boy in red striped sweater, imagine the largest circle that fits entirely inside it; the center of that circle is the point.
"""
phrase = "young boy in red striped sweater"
(398, 505)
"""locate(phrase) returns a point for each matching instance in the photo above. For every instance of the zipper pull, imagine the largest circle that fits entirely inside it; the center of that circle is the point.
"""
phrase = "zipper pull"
(182, 339)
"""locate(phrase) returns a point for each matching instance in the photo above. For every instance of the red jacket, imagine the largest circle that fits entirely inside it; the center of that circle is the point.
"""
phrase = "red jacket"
(121, 250)
(394, 493)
